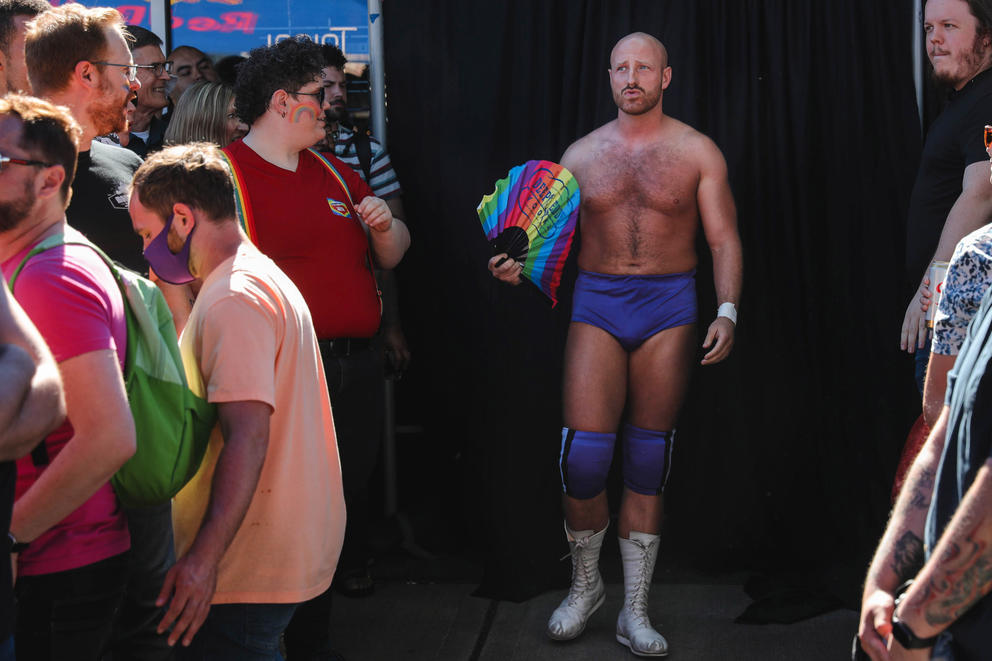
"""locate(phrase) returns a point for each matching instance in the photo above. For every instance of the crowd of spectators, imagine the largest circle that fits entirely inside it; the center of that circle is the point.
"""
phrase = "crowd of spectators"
(270, 223)
(223, 185)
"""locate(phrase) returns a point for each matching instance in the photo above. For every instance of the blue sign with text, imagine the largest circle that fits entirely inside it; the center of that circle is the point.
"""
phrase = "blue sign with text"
(223, 27)
(234, 26)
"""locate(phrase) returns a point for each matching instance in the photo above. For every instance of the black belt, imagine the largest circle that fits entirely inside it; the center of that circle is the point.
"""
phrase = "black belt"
(344, 346)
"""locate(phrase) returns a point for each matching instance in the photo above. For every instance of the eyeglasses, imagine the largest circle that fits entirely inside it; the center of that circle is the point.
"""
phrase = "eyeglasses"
(158, 68)
(132, 69)
(319, 95)
(4, 160)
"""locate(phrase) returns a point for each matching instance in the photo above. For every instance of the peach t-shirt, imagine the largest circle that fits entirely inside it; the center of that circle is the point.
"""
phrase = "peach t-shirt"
(250, 338)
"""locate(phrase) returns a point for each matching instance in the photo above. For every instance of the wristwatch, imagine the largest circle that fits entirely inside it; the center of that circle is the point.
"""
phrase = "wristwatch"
(15, 546)
(908, 639)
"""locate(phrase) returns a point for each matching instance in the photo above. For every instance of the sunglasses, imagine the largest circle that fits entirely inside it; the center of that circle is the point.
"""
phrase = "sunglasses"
(319, 95)
(4, 160)
(157, 68)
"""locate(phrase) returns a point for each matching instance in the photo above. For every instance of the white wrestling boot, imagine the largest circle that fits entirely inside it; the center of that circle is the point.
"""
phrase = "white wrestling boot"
(633, 627)
(587, 592)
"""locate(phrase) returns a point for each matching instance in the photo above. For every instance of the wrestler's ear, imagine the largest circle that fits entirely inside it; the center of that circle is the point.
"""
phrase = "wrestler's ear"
(666, 77)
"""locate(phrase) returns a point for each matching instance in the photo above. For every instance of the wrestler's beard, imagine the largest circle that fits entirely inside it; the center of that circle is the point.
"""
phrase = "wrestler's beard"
(14, 211)
(637, 106)
(107, 113)
(970, 61)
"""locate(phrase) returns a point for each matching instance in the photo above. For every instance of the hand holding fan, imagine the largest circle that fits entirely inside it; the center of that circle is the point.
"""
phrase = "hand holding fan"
(531, 217)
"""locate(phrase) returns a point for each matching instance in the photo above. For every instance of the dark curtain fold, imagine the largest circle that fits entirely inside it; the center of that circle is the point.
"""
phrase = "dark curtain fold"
(786, 451)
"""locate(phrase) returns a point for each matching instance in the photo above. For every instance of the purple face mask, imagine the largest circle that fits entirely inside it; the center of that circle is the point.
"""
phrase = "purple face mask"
(170, 267)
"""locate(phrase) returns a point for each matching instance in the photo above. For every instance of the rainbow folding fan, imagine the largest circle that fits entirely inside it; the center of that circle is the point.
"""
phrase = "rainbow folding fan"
(531, 217)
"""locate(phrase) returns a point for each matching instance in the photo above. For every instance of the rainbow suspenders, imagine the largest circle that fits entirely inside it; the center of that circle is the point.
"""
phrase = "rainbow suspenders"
(246, 218)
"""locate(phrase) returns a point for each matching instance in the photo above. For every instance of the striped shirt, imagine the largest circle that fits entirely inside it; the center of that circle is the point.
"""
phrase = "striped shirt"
(384, 183)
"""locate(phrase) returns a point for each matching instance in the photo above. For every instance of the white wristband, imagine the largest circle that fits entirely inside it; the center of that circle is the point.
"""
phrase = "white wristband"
(728, 310)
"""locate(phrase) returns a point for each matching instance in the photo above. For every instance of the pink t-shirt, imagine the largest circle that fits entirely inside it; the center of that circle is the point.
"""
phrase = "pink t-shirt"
(73, 299)
(250, 338)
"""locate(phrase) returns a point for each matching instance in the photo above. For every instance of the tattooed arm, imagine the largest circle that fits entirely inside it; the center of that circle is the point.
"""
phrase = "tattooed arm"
(900, 553)
(959, 571)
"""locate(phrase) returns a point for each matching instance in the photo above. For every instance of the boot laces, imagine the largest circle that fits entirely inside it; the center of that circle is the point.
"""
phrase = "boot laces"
(583, 568)
(637, 601)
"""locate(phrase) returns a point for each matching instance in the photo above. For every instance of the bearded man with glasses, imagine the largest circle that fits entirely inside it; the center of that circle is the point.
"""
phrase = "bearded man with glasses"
(79, 58)
(67, 527)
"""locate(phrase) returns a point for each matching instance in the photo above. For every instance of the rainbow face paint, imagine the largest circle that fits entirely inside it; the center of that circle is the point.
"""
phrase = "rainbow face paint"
(304, 109)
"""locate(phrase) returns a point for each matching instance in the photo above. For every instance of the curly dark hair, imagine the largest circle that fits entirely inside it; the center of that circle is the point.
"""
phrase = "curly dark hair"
(333, 57)
(286, 65)
(227, 68)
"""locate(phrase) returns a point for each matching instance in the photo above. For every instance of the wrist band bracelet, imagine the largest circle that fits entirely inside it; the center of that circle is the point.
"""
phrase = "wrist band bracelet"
(907, 638)
(728, 310)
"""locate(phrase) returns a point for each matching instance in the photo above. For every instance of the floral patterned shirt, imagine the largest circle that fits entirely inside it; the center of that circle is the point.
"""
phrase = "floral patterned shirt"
(968, 276)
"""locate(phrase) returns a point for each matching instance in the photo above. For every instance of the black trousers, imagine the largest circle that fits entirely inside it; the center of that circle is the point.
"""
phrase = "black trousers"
(69, 614)
(356, 388)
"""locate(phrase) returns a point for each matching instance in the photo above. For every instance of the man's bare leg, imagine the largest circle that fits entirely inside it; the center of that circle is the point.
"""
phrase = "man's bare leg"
(594, 394)
(658, 376)
(639, 512)
(589, 514)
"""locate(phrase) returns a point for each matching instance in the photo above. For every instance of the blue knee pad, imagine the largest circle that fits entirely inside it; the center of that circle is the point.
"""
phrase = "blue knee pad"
(647, 459)
(585, 461)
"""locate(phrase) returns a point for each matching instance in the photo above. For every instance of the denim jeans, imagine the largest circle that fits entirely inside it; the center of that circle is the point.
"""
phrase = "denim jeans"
(239, 632)
(69, 614)
(7, 649)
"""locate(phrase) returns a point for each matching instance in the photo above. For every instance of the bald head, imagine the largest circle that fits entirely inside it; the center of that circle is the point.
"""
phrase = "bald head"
(639, 72)
(189, 65)
(641, 39)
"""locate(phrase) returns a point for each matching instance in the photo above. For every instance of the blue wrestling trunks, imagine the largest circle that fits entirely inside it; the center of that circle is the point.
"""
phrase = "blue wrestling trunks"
(632, 308)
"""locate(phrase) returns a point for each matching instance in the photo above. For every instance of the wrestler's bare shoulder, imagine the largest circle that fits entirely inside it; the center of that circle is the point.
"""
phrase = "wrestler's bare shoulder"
(583, 150)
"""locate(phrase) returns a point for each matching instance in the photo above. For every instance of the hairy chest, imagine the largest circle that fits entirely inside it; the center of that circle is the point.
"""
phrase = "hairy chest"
(660, 179)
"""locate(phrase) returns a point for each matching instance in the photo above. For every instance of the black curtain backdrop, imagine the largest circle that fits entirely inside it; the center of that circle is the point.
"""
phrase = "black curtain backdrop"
(785, 452)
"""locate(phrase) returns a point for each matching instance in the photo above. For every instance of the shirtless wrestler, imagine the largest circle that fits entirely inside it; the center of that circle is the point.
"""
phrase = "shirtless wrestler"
(646, 181)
